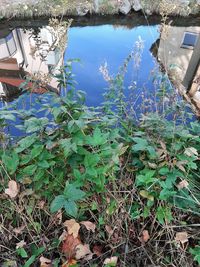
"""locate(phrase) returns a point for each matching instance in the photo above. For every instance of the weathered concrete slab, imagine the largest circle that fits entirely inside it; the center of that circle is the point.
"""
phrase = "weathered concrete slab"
(32, 8)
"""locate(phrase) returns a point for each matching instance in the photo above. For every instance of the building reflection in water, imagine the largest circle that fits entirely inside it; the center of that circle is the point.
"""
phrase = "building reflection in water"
(32, 54)
(178, 51)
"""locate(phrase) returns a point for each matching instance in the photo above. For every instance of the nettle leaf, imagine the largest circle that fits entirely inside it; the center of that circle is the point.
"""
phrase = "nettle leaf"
(8, 116)
(36, 151)
(151, 151)
(44, 164)
(91, 160)
(29, 170)
(165, 194)
(97, 139)
(73, 193)
(11, 161)
(25, 143)
(57, 203)
(164, 214)
(25, 159)
(146, 178)
(39, 174)
(71, 208)
(164, 171)
(141, 144)
(171, 178)
(35, 124)
(68, 146)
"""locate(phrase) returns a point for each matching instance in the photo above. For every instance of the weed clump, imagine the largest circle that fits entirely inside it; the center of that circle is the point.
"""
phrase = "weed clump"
(97, 187)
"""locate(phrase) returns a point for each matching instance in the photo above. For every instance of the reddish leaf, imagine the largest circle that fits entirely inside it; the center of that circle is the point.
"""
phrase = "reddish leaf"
(97, 250)
(69, 245)
(145, 236)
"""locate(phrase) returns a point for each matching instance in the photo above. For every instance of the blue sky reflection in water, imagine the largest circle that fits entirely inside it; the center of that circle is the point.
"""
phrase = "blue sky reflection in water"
(95, 45)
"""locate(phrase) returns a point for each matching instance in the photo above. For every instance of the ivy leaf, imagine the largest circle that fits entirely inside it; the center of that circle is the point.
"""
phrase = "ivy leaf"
(57, 203)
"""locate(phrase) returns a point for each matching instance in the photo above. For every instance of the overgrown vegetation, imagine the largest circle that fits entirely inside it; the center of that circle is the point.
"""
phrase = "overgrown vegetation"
(97, 187)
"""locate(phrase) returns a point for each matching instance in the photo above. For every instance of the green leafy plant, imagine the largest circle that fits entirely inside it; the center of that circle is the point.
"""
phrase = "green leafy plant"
(196, 253)
(68, 200)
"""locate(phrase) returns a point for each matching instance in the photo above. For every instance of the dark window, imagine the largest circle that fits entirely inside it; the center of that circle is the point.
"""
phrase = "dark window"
(189, 40)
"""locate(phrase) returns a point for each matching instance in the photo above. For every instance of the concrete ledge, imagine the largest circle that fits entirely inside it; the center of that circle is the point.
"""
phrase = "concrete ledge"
(37, 8)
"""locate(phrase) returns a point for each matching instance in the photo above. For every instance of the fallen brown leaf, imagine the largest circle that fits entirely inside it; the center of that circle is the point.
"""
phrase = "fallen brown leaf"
(180, 165)
(145, 236)
(69, 263)
(58, 217)
(97, 250)
(112, 260)
(19, 230)
(183, 184)
(191, 151)
(89, 226)
(41, 204)
(12, 189)
(44, 262)
(26, 181)
(109, 230)
(20, 244)
(181, 237)
(83, 252)
(69, 245)
(72, 227)
(163, 145)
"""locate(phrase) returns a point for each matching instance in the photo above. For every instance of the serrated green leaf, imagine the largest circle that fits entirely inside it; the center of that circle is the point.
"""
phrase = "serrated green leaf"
(25, 143)
(71, 208)
(72, 193)
(11, 161)
(36, 151)
(29, 170)
(57, 203)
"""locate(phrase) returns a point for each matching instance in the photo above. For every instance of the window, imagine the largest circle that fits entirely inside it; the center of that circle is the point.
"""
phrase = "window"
(7, 46)
(11, 44)
(189, 40)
